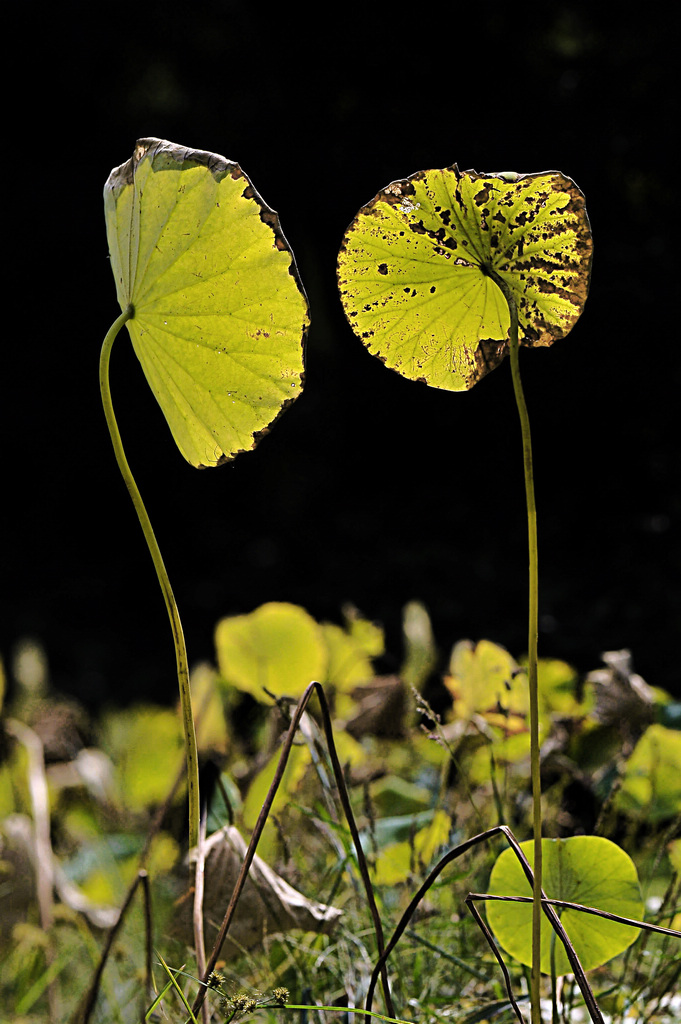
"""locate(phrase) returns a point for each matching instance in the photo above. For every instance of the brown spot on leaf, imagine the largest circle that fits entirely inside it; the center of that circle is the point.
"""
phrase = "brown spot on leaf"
(489, 354)
(483, 195)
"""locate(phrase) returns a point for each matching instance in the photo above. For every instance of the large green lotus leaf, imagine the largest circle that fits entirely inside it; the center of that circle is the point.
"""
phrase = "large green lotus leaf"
(278, 647)
(582, 869)
(219, 312)
(413, 269)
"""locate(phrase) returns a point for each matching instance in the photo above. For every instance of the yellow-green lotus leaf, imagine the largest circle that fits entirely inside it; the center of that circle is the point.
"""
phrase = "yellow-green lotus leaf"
(396, 862)
(220, 316)
(589, 870)
(278, 648)
(414, 269)
(485, 679)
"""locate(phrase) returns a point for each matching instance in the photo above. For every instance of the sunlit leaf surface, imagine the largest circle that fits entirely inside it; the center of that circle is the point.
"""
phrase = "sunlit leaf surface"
(219, 313)
(278, 647)
(414, 269)
(589, 870)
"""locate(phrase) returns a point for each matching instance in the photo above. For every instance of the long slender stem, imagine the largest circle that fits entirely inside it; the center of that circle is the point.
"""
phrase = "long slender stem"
(154, 550)
(533, 630)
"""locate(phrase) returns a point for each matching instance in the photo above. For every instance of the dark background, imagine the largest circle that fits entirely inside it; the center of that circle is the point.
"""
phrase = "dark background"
(370, 489)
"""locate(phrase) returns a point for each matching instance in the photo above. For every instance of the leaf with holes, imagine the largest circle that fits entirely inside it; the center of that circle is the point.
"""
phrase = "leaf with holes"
(414, 269)
(588, 870)
(220, 315)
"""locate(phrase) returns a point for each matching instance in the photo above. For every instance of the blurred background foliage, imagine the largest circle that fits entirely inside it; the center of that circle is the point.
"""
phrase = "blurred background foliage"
(80, 799)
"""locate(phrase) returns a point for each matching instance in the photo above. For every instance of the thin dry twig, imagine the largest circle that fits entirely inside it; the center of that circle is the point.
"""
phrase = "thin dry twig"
(83, 1013)
(565, 905)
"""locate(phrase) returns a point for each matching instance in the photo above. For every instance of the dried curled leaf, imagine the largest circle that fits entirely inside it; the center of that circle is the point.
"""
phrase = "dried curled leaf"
(268, 905)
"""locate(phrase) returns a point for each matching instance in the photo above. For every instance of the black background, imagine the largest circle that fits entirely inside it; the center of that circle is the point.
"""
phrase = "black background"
(370, 489)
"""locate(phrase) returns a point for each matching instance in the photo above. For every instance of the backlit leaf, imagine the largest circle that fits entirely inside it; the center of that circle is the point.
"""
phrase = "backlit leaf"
(392, 795)
(212, 729)
(652, 778)
(414, 269)
(558, 690)
(278, 647)
(485, 679)
(582, 869)
(219, 312)
(348, 661)
(296, 766)
(348, 665)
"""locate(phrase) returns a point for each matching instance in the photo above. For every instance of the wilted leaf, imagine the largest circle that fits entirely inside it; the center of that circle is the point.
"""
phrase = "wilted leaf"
(382, 705)
(268, 905)
(621, 696)
(414, 269)
(219, 312)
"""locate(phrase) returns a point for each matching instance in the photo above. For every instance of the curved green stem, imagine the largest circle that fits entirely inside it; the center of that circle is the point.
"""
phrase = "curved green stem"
(173, 614)
(533, 629)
